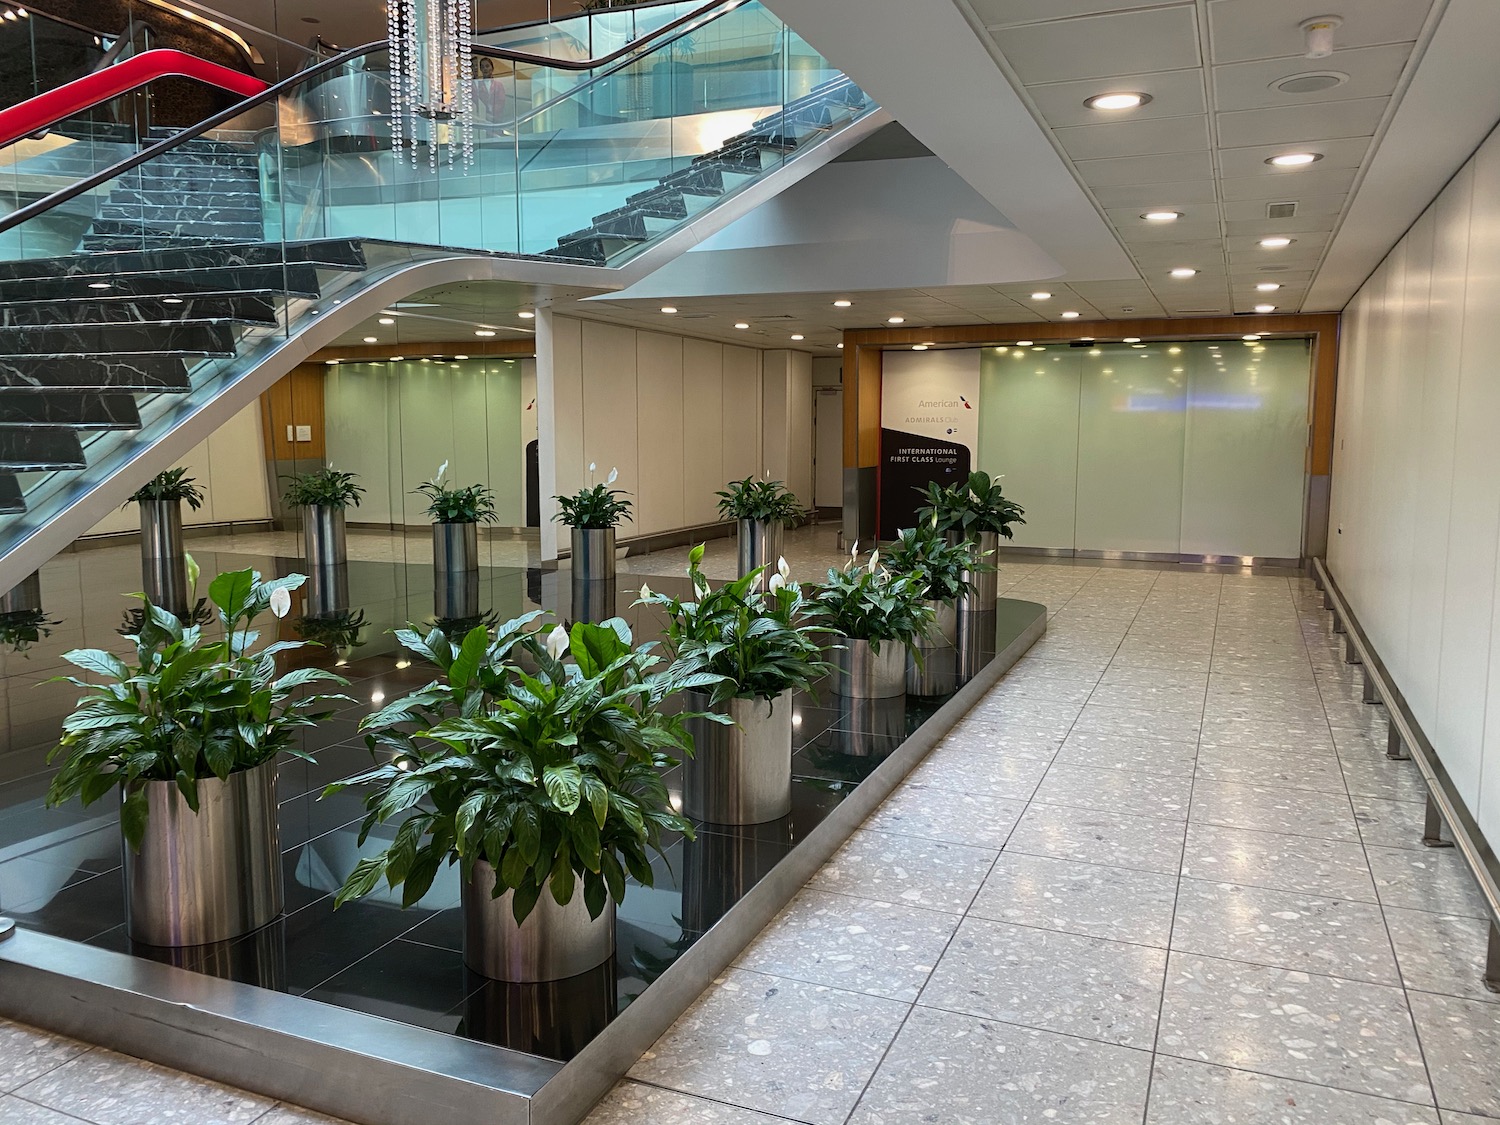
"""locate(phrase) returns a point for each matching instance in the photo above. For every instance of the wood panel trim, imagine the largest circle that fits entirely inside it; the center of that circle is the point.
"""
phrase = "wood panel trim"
(473, 348)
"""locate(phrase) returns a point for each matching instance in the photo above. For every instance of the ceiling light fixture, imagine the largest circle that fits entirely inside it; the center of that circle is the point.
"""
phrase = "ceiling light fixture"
(1095, 351)
(1294, 159)
(460, 357)
(526, 314)
(397, 358)
(798, 336)
(919, 347)
(1174, 351)
(1184, 271)
(895, 320)
(1041, 296)
(840, 347)
(483, 332)
(1250, 339)
(741, 324)
(1122, 100)
(1268, 286)
(331, 362)
(1038, 348)
(1162, 216)
(386, 320)
(1023, 343)
(1070, 315)
(669, 309)
(1132, 339)
(842, 304)
(369, 339)
(1277, 242)
(1265, 308)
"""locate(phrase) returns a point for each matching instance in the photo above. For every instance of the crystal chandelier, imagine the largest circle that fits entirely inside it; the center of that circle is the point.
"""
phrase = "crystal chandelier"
(432, 72)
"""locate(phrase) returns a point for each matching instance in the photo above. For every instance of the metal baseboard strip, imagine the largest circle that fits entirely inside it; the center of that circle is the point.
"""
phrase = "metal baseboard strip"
(379, 1072)
(1467, 836)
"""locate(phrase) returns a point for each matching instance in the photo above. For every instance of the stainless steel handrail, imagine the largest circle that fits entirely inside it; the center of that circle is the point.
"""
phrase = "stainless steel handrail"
(1406, 733)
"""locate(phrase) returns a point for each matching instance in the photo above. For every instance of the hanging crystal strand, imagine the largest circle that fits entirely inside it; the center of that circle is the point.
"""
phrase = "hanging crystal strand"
(413, 77)
(394, 65)
(466, 88)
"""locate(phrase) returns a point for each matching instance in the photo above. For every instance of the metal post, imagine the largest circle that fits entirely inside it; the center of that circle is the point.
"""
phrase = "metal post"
(1351, 654)
(1338, 622)
(1327, 600)
(1432, 827)
(1371, 693)
(1492, 960)
(1394, 748)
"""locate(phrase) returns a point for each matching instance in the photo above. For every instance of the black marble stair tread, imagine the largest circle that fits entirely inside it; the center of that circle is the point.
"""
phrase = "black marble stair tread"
(29, 450)
(341, 253)
(660, 205)
(11, 500)
(298, 279)
(248, 308)
(201, 212)
(172, 337)
(136, 374)
(81, 410)
(175, 197)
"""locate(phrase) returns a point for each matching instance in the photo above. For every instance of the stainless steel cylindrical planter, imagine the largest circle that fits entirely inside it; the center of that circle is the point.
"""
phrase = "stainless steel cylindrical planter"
(740, 774)
(931, 662)
(163, 561)
(944, 623)
(323, 536)
(594, 599)
(554, 942)
(862, 673)
(760, 543)
(593, 553)
(25, 596)
(455, 547)
(986, 581)
(327, 590)
(455, 594)
(211, 875)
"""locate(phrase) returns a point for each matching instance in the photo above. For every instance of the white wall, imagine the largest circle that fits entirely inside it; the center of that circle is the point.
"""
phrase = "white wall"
(230, 467)
(677, 416)
(1416, 474)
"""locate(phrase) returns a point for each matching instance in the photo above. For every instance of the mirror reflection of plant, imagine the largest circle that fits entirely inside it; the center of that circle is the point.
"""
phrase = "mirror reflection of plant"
(190, 706)
(136, 619)
(473, 503)
(869, 603)
(759, 641)
(336, 632)
(22, 628)
(751, 499)
(457, 628)
(974, 505)
(596, 507)
(171, 484)
(326, 487)
(557, 785)
(943, 568)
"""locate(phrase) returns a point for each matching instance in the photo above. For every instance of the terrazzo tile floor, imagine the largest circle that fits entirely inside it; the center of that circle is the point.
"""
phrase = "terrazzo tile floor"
(1163, 874)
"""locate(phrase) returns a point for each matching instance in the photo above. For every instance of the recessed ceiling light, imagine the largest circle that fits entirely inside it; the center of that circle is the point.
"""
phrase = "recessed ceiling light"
(669, 309)
(331, 362)
(1023, 343)
(386, 320)
(1162, 216)
(460, 357)
(1265, 308)
(798, 336)
(841, 347)
(895, 320)
(1038, 348)
(484, 332)
(1293, 159)
(842, 304)
(741, 324)
(1137, 345)
(1123, 100)
(526, 314)
(1250, 339)
(1268, 286)
(1041, 296)
(1070, 315)
(919, 347)
(397, 358)
(369, 339)
(1184, 271)
(1277, 242)
(1132, 339)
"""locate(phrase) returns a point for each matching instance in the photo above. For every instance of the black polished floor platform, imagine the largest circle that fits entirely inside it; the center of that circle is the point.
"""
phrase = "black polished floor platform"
(317, 967)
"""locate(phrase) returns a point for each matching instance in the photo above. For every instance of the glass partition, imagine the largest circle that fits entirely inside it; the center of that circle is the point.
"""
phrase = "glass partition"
(1191, 448)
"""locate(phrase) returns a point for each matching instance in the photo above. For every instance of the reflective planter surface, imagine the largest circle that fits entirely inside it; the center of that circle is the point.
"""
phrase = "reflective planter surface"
(554, 942)
(207, 876)
(862, 673)
(739, 774)
(455, 547)
(163, 561)
(759, 544)
(593, 553)
(324, 539)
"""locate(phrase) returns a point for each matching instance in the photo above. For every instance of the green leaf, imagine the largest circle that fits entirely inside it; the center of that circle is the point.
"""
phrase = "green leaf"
(561, 877)
(361, 881)
(564, 784)
(231, 590)
(98, 661)
(523, 900)
(133, 814)
(466, 665)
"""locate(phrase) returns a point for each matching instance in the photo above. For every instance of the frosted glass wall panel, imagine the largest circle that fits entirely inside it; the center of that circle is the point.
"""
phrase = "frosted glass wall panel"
(1244, 454)
(1028, 432)
(1130, 446)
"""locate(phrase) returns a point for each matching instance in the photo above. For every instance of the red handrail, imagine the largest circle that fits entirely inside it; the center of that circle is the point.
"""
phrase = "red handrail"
(48, 109)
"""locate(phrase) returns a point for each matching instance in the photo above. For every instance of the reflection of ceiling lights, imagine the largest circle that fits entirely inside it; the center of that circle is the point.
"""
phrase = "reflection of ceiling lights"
(1294, 159)
(1122, 100)
(1162, 216)
(1250, 339)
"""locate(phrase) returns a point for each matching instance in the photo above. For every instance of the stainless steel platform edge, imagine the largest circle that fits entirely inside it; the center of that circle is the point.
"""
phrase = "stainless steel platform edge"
(588, 1076)
(380, 1072)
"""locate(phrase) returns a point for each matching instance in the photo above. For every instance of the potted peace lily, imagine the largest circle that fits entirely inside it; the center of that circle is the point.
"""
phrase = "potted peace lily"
(979, 511)
(324, 495)
(593, 513)
(188, 731)
(163, 558)
(875, 616)
(760, 646)
(456, 514)
(945, 569)
(545, 789)
(762, 511)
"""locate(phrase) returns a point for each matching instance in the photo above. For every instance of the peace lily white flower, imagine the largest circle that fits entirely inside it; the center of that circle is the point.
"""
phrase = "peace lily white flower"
(782, 569)
(281, 601)
(776, 583)
(443, 468)
(645, 591)
(557, 642)
(854, 550)
(592, 466)
(874, 560)
(614, 475)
